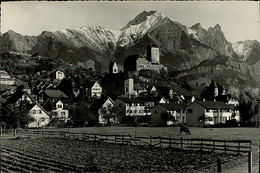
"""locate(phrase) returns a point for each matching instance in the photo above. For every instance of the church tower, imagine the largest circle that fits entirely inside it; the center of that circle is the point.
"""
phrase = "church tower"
(129, 84)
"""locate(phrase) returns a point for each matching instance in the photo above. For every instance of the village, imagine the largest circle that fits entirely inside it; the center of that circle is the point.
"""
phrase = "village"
(117, 99)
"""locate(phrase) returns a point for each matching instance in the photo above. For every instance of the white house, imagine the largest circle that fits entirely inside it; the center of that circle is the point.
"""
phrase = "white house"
(94, 89)
(60, 112)
(40, 116)
(210, 113)
(59, 75)
(113, 68)
(5, 78)
(174, 114)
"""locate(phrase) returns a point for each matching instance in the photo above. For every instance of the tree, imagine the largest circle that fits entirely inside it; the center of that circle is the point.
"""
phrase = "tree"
(66, 86)
(108, 113)
(249, 103)
(16, 115)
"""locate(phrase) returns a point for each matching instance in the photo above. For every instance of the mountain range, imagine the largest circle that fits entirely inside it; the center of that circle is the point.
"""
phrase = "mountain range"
(192, 52)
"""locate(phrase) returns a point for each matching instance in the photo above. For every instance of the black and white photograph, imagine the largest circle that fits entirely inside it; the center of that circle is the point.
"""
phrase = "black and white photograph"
(129, 86)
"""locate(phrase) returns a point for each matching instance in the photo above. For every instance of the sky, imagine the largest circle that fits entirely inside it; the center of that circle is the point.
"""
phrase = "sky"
(238, 20)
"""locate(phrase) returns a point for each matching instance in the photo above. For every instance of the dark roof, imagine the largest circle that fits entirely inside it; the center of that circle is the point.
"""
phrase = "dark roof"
(173, 106)
(14, 98)
(152, 45)
(128, 76)
(130, 100)
(223, 98)
(150, 99)
(138, 87)
(55, 94)
(99, 102)
(214, 105)
(2, 100)
(111, 65)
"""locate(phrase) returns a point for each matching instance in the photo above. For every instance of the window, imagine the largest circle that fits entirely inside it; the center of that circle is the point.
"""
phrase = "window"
(120, 105)
(34, 111)
(190, 111)
(62, 113)
(40, 111)
(155, 111)
(207, 110)
(135, 111)
(131, 111)
(59, 106)
(114, 70)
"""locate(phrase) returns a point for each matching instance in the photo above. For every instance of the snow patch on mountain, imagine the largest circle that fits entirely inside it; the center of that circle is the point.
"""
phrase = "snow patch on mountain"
(133, 32)
(193, 33)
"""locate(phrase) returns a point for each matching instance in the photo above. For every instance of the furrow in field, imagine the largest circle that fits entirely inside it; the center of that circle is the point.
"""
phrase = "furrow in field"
(52, 164)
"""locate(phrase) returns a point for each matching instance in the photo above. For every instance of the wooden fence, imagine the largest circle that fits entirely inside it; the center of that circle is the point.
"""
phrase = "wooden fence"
(226, 146)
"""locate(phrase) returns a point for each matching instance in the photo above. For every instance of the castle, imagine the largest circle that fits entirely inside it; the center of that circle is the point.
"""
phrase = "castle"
(151, 62)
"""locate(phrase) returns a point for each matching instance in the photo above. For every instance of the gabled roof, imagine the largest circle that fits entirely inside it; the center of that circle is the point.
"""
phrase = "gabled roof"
(89, 85)
(55, 94)
(112, 65)
(99, 102)
(130, 100)
(173, 106)
(34, 104)
(214, 105)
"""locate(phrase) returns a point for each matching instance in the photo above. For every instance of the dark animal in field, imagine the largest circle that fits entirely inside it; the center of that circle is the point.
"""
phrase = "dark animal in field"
(184, 129)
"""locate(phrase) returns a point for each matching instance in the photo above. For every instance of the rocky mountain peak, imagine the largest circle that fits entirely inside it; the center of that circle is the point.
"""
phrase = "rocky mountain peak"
(197, 26)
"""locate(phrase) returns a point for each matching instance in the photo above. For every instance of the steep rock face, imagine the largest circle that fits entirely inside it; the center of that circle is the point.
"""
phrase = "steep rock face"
(177, 49)
(78, 45)
(213, 37)
(248, 50)
(12, 41)
(224, 70)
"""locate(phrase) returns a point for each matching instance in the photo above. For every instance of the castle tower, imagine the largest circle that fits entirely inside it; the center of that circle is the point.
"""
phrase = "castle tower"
(129, 84)
(215, 90)
(113, 68)
(153, 53)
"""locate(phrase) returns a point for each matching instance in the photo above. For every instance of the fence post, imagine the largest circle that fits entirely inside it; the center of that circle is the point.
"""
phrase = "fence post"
(225, 145)
(238, 147)
(201, 144)
(219, 165)
(250, 158)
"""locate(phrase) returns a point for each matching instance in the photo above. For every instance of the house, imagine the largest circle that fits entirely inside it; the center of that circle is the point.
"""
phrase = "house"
(5, 78)
(205, 113)
(168, 114)
(60, 113)
(137, 106)
(106, 110)
(113, 68)
(18, 97)
(59, 75)
(40, 116)
(228, 99)
(131, 106)
(54, 95)
(94, 89)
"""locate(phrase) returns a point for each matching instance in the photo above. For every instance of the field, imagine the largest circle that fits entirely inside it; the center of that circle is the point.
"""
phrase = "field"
(59, 155)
